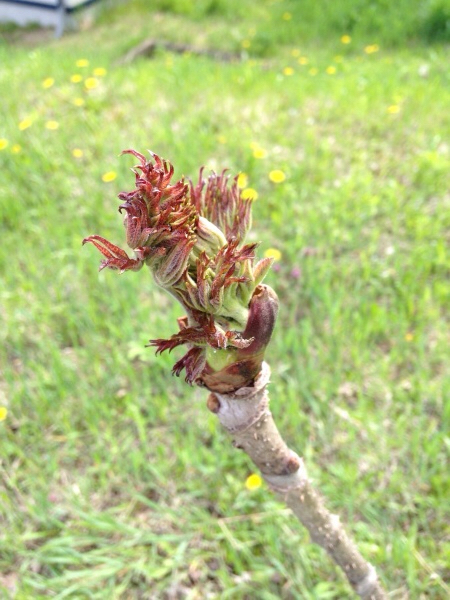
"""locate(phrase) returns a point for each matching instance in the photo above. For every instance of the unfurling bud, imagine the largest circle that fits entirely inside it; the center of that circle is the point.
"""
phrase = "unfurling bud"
(191, 238)
(238, 368)
(209, 239)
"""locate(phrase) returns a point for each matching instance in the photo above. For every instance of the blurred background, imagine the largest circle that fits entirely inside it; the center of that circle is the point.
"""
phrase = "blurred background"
(115, 480)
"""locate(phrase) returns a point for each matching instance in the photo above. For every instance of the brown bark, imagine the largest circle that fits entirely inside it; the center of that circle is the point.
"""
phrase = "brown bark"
(246, 416)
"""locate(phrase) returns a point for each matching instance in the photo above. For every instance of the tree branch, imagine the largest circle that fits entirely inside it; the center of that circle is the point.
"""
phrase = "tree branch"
(246, 416)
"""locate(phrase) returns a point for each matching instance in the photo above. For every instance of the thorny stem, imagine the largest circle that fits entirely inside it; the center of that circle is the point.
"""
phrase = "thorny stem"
(246, 416)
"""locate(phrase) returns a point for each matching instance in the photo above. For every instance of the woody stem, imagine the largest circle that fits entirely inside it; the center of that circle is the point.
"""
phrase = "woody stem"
(246, 416)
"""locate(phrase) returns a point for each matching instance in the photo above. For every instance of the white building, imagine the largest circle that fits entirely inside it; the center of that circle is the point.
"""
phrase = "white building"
(47, 13)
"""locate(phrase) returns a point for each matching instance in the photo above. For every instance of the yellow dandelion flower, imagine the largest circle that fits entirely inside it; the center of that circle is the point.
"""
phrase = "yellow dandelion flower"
(16, 148)
(253, 482)
(393, 109)
(313, 71)
(295, 52)
(79, 101)
(346, 39)
(3, 413)
(76, 78)
(259, 153)
(371, 48)
(25, 123)
(273, 253)
(249, 194)
(77, 153)
(221, 139)
(242, 180)
(288, 71)
(246, 43)
(302, 60)
(99, 72)
(52, 125)
(82, 62)
(109, 176)
(91, 83)
(48, 82)
(3, 143)
(277, 176)
(287, 16)
(331, 70)
(409, 336)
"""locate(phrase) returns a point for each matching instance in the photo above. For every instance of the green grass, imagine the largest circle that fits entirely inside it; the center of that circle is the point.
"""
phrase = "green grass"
(115, 481)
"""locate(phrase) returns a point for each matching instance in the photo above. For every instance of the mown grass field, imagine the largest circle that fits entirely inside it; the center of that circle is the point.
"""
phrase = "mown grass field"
(115, 481)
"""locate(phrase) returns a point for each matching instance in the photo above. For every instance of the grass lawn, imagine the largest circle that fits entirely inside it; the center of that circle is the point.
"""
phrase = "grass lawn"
(115, 481)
